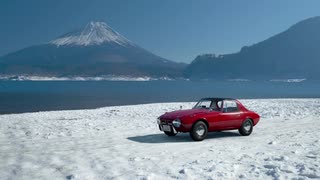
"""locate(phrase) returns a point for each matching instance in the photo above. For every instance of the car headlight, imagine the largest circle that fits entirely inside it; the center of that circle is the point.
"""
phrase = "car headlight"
(176, 123)
(158, 120)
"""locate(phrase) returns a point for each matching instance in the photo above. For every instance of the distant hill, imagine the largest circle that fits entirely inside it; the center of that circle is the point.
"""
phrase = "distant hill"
(98, 50)
(294, 53)
(95, 50)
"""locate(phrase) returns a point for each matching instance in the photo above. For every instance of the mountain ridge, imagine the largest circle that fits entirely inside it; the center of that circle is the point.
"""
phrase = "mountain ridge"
(293, 53)
(98, 50)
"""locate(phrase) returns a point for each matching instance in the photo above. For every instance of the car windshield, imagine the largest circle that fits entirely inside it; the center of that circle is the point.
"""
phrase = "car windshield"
(208, 104)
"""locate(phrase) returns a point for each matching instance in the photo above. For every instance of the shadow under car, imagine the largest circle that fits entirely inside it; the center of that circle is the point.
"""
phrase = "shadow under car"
(180, 137)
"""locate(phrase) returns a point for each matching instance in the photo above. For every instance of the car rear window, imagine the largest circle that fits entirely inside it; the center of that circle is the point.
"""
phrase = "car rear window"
(230, 106)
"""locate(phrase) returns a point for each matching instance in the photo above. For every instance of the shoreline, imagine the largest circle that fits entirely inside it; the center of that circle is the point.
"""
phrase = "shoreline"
(147, 103)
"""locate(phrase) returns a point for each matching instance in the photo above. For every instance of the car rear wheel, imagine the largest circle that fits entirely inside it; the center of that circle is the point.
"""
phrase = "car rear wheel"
(246, 128)
(170, 133)
(199, 131)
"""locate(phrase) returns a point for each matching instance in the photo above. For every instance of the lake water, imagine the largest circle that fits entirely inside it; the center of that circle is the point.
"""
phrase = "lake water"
(29, 96)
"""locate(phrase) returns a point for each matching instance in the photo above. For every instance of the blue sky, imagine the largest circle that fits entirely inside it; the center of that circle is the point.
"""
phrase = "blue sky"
(174, 29)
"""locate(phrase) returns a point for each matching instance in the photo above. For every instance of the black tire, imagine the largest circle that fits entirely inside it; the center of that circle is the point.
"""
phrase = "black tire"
(170, 133)
(246, 128)
(199, 131)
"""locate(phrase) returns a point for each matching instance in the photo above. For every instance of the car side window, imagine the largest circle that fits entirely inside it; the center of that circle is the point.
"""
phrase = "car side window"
(230, 106)
(205, 104)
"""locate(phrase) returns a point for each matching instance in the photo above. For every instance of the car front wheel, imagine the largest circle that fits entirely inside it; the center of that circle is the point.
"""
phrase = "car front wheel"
(199, 131)
(246, 128)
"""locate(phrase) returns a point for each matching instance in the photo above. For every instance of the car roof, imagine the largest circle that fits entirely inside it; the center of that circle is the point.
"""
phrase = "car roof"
(217, 99)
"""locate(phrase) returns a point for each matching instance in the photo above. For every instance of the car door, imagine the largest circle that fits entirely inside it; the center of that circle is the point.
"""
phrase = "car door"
(230, 117)
(214, 117)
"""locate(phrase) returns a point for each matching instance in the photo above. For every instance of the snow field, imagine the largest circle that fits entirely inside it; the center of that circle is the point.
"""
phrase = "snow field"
(124, 142)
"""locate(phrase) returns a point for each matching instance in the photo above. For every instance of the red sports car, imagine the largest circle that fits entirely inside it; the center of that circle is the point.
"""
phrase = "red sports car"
(208, 115)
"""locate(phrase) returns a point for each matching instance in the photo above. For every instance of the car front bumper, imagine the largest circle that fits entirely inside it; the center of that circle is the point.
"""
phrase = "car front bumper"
(183, 127)
(172, 128)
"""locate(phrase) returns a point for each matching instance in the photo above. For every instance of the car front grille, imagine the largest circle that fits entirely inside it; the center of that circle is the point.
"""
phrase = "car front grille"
(166, 122)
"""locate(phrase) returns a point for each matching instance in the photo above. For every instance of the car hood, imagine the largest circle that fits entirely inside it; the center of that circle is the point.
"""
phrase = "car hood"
(181, 113)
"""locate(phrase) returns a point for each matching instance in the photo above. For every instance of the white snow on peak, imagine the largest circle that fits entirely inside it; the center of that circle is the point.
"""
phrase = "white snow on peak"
(94, 33)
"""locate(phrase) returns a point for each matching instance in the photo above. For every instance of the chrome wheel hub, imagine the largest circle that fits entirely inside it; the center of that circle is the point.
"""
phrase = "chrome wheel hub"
(247, 126)
(200, 130)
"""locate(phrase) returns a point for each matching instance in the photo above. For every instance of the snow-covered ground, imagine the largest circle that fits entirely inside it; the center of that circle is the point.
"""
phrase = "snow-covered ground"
(124, 143)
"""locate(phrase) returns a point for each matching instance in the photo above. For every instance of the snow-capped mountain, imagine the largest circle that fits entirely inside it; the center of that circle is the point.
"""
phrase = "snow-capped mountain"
(95, 33)
(95, 50)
